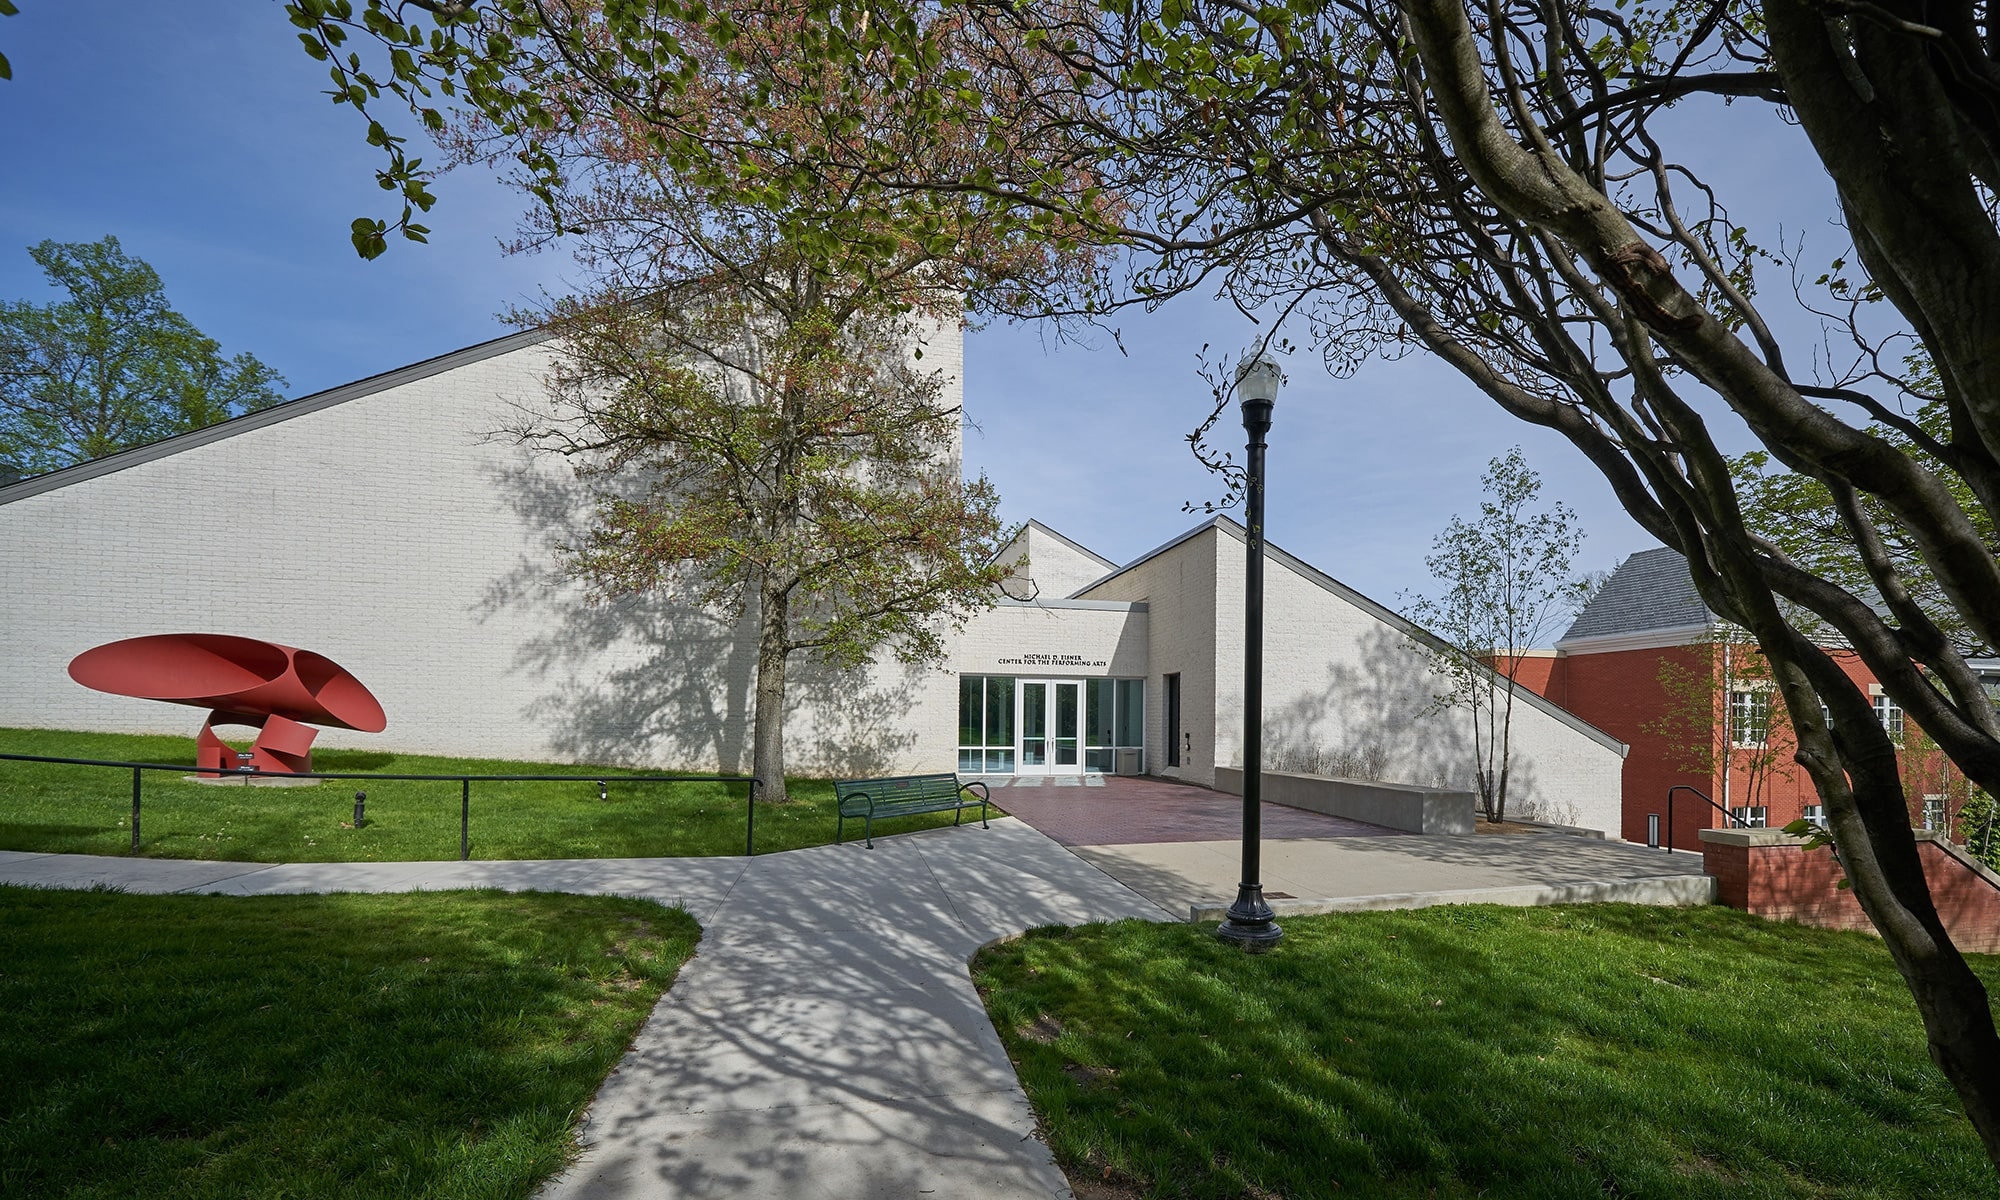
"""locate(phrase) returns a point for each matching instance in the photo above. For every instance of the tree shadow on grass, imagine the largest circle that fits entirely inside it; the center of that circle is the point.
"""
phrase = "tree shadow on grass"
(315, 1045)
(1582, 1051)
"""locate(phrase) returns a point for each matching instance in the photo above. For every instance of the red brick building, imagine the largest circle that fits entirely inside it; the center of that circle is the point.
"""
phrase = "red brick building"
(1648, 663)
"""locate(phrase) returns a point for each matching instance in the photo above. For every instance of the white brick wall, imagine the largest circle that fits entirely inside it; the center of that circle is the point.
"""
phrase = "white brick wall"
(1055, 567)
(390, 534)
(1336, 676)
(1179, 588)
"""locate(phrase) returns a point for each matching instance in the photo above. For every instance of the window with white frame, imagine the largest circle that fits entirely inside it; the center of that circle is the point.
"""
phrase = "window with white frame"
(1815, 813)
(1934, 813)
(1751, 816)
(1890, 714)
(985, 725)
(1749, 718)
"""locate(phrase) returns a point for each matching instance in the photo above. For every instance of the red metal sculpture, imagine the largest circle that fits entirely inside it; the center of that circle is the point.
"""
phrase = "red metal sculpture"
(245, 681)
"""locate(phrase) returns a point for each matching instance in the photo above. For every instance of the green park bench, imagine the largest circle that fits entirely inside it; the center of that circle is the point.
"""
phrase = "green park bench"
(903, 796)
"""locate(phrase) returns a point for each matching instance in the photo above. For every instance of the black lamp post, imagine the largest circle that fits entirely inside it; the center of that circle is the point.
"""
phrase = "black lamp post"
(1250, 922)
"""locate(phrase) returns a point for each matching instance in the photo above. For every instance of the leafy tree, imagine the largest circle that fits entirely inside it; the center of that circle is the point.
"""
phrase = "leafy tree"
(1976, 827)
(776, 462)
(1500, 189)
(1508, 589)
(736, 380)
(112, 365)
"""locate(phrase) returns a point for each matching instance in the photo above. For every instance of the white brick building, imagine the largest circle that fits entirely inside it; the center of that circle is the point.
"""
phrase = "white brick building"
(379, 524)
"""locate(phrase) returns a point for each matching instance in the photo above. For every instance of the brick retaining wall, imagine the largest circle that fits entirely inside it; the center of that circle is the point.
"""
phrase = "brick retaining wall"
(1772, 874)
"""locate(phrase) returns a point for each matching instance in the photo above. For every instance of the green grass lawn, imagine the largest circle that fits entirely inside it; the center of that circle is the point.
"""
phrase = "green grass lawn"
(87, 810)
(1540, 1053)
(436, 1045)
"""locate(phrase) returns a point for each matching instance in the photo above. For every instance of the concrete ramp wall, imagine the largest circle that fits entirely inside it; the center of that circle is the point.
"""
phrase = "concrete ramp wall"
(1391, 805)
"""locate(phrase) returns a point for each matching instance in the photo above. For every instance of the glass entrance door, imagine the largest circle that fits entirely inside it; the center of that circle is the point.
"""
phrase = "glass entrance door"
(1051, 727)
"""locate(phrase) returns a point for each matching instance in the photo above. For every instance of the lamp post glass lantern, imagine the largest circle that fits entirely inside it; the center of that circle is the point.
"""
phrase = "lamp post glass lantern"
(1250, 922)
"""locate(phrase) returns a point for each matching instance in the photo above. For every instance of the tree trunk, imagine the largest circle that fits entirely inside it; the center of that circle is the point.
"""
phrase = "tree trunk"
(1481, 777)
(1853, 767)
(767, 739)
(1859, 779)
(1889, 882)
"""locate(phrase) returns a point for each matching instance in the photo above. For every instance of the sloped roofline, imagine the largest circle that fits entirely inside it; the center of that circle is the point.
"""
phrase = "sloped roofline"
(1072, 543)
(1387, 616)
(305, 405)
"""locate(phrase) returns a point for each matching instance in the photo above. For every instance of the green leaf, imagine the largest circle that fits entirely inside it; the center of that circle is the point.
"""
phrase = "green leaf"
(367, 237)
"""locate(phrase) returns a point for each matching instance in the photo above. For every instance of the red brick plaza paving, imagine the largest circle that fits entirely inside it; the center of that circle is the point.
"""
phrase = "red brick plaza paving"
(1126, 811)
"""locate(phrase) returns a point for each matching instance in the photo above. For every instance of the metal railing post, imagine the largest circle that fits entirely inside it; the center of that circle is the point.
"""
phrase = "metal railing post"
(464, 819)
(750, 822)
(1728, 816)
(137, 775)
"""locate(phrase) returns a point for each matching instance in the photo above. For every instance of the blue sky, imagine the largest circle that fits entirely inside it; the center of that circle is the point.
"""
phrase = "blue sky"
(197, 133)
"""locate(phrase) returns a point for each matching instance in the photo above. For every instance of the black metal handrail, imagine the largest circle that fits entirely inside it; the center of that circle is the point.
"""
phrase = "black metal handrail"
(1682, 787)
(465, 783)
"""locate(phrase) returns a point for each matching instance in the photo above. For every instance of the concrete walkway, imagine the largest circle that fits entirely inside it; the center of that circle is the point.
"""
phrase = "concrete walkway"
(1197, 880)
(825, 1041)
(1127, 810)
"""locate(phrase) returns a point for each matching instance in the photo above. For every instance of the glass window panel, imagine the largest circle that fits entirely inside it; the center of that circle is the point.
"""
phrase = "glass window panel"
(1131, 713)
(968, 762)
(1034, 724)
(1066, 718)
(999, 710)
(1097, 710)
(1890, 714)
(1749, 718)
(971, 695)
(999, 762)
(1099, 758)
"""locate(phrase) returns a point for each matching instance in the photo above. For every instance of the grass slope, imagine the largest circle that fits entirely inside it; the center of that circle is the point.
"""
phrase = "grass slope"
(434, 1045)
(87, 810)
(1474, 1051)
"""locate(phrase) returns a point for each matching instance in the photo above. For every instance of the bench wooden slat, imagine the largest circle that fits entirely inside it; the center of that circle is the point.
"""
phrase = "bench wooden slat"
(905, 795)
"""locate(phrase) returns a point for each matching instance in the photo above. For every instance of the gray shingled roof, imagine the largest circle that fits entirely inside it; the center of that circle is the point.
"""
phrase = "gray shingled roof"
(1650, 590)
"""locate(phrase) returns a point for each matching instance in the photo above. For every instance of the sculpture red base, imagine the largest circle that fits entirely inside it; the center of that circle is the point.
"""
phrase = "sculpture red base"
(282, 744)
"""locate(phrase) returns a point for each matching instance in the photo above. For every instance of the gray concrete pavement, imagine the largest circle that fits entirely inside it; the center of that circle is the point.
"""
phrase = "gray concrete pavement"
(1301, 876)
(825, 1041)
